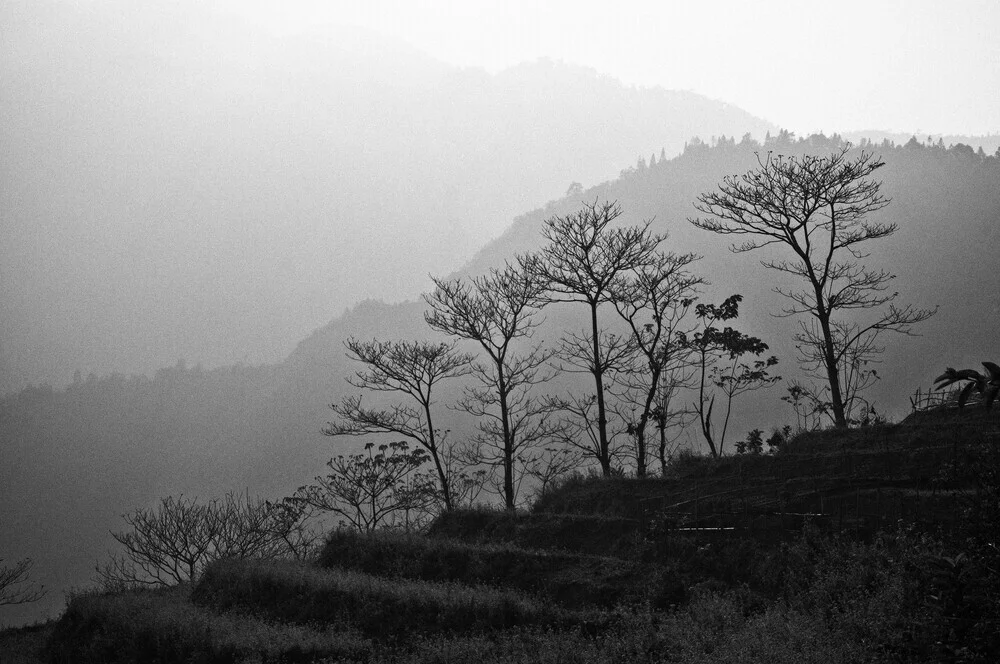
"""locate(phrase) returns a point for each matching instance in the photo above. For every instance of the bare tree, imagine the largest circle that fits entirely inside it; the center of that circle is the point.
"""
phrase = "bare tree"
(496, 312)
(411, 368)
(653, 301)
(578, 430)
(548, 464)
(818, 208)
(585, 259)
(173, 542)
(372, 489)
(250, 527)
(163, 546)
(15, 584)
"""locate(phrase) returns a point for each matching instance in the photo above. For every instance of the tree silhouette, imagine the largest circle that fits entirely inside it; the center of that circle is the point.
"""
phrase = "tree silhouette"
(717, 362)
(653, 301)
(172, 543)
(411, 368)
(584, 261)
(817, 207)
(496, 311)
(372, 488)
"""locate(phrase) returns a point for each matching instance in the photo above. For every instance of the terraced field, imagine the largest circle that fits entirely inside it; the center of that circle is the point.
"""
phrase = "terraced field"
(600, 571)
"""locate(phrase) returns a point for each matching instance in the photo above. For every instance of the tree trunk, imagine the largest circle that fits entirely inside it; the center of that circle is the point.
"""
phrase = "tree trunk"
(705, 417)
(432, 448)
(832, 370)
(508, 442)
(640, 434)
(662, 426)
(602, 418)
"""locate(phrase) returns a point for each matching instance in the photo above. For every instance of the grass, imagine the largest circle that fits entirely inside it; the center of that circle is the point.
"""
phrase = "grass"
(569, 579)
(25, 645)
(901, 598)
(164, 627)
(840, 601)
(377, 607)
(579, 533)
(581, 578)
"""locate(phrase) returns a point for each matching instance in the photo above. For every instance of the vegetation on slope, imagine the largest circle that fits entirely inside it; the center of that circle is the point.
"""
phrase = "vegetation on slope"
(568, 579)
(909, 593)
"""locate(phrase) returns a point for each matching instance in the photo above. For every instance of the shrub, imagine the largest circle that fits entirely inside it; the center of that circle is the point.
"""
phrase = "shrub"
(171, 543)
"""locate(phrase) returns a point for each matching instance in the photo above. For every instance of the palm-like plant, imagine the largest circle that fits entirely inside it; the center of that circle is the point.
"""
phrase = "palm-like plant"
(987, 384)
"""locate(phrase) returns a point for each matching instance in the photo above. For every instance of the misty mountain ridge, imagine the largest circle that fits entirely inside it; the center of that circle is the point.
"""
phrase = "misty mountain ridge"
(190, 185)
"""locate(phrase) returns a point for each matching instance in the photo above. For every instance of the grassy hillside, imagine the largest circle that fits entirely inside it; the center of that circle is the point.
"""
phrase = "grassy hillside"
(597, 572)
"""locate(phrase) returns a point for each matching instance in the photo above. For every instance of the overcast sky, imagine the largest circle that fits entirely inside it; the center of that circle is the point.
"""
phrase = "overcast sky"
(915, 65)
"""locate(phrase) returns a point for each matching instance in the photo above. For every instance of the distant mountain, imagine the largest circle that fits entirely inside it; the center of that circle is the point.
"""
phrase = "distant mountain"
(75, 459)
(178, 183)
(989, 144)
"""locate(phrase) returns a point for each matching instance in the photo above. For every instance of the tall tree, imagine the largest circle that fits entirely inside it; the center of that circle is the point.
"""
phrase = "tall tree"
(496, 312)
(411, 368)
(583, 261)
(653, 301)
(817, 207)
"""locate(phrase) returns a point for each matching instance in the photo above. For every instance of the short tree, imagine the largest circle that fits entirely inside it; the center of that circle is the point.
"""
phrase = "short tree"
(496, 312)
(411, 368)
(817, 207)
(15, 584)
(373, 489)
(718, 366)
(583, 261)
(172, 543)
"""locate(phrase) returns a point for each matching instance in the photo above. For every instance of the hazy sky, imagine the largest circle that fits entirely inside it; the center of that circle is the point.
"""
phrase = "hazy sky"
(915, 65)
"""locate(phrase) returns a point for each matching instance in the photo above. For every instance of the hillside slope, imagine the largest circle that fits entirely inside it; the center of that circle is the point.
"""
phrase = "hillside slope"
(908, 577)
